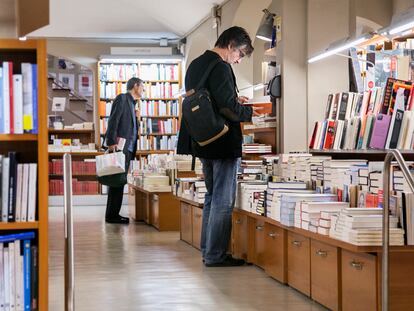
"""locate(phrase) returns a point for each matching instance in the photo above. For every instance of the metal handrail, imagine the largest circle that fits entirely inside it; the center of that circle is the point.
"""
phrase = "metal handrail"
(392, 154)
(69, 249)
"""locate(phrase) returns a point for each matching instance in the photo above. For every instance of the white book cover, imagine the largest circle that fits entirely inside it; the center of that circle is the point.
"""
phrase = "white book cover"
(18, 103)
(19, 192)
(12, 263)
(19, 276)
(399, 105)
(27, 89)
(1, 277)
(5, 189)
(25, 192)
(407, 143)
(349, 106)
(6, 261)
(6, 97)
(31, 210)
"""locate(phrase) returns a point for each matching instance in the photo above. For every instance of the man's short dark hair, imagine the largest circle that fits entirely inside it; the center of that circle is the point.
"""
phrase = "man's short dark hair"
(236, 37)
(131, 83)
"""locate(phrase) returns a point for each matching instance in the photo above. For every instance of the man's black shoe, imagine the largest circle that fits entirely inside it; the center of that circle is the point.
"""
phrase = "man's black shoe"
(117, 220)
(228, 262)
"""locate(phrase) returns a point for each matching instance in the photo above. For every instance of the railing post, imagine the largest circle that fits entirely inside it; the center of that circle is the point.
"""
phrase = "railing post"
(69, 249)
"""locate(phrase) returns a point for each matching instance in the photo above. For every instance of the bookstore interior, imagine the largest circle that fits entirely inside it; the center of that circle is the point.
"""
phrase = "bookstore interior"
(324, 208)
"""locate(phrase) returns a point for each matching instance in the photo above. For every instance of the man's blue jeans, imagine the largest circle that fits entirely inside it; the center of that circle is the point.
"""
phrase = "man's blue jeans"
(221, 182)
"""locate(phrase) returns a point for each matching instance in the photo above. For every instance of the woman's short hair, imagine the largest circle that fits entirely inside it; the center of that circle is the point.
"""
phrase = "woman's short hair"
(236, 37)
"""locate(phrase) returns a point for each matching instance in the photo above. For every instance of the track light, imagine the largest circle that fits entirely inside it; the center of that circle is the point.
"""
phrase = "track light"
(266, 28)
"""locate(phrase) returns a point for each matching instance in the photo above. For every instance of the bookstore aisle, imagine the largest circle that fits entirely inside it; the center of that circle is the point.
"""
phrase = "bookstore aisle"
(136, 267)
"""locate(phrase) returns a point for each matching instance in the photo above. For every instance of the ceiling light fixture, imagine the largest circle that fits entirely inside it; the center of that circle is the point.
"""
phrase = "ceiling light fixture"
(334, 50)
(266, 28)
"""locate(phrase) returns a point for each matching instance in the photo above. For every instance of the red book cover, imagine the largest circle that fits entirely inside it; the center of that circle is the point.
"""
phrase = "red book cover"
(11, 97)
(312, 141)
(330, 135)
(371, 200)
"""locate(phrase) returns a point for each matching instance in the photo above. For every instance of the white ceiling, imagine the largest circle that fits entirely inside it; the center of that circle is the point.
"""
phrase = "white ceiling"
(125, 19)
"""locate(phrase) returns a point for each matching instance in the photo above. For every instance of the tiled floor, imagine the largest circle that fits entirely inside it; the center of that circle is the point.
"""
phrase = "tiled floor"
(135, 267)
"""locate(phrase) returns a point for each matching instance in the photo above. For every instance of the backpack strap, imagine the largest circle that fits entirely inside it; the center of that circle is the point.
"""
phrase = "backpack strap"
(204, 77)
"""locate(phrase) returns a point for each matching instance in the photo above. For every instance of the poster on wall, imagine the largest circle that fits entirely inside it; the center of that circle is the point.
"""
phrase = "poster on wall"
(68, 79)
(85, 84)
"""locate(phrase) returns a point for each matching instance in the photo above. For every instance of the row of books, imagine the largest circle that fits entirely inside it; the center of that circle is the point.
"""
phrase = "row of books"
(256, 148)
(261, 122)
(158, 108)
(191, 188)
(18, 98)
(155, 72)
(373, 120)
(149, 126)
(161, 90)
(18, 189)
(19, 272)
(85, 167)
(111, 90)
(152, 182)
(157, 143)
(116, 72)
(56, 187)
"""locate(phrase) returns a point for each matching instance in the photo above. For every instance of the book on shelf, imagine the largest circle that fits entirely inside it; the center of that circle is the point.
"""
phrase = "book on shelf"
(150, 108)
(375, 119)
(18, 189)
(18, 99)
(19, 271)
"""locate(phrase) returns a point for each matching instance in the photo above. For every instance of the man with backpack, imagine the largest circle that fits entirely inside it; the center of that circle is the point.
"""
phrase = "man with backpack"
(220, 156)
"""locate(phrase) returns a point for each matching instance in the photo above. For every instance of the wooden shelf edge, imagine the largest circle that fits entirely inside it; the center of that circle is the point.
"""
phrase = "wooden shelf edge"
(70, 131)
(19, 225)
(153, 151)
(191, 202)
(75, 153)
(18, 137)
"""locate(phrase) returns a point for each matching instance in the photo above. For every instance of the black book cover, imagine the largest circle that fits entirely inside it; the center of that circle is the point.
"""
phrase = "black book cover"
(404, 217)
(399, 114)
(342, 106)
(328, 106)
(344, 134)
(12, 186)
(34, 278)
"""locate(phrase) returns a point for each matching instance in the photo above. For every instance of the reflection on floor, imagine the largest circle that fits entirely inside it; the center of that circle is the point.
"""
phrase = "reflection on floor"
(135, 267)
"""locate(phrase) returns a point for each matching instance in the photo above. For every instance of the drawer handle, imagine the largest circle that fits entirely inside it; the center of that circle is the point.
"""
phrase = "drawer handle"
(238, 222)
(197, 216)
(274, 234)
(322, 253)
(297, 243)
(357, 265)
(260, 228)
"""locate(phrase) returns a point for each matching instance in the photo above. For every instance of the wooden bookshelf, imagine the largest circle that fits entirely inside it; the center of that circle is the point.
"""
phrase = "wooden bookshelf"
(103, 119)
(260, 130)
(18, 137)
(76, 154)
(32, 51)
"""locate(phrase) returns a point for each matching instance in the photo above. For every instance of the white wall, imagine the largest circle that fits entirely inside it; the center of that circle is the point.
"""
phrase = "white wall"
(328, 21)
(402, 5)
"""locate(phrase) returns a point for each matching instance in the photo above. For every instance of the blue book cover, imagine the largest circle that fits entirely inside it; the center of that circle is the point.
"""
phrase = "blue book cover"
(1, 102)
(26, 275)
(35, 99)
(17, 236)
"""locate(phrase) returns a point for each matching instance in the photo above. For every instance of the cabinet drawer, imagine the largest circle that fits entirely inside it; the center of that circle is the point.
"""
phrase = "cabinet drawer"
(298, 248)
(185, 223)
(275, 253)
(325, 274)
(256, 248)
(197, 224)
(358, 281)
(239, 236)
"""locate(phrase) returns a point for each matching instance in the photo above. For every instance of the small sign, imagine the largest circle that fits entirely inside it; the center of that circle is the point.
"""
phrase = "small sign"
(58, 104)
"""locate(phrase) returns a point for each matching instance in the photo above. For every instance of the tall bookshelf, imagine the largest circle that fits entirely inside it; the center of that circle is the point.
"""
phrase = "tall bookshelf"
(32, 148)
(160, 109)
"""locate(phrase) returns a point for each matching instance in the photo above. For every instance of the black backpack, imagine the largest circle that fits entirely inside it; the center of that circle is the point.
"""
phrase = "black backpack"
(203, 121)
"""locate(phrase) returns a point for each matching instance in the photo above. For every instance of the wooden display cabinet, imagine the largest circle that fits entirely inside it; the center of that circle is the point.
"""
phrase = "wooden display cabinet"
(275, 261)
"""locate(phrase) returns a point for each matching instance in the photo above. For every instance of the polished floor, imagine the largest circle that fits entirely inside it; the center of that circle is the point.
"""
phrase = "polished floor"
(135, 267)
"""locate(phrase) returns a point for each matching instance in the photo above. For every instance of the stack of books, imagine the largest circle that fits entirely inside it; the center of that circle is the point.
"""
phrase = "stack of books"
(256, 148)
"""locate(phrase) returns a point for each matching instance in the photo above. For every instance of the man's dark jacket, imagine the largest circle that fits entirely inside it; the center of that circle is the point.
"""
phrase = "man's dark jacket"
(121, 122)
(221, 84)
